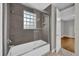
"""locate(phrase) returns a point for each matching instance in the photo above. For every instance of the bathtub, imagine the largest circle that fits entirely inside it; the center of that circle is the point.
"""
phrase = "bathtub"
(34, 48)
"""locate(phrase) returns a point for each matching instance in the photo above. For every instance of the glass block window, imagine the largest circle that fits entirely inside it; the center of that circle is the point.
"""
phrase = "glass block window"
(29, 20)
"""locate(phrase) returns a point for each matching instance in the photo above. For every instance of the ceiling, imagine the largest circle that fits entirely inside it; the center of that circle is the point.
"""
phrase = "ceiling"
(38, 6)
(42, 6)
(62, 6)
(66, 9)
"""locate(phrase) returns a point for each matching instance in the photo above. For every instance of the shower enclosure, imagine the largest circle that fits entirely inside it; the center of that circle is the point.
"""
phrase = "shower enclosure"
(28, 31)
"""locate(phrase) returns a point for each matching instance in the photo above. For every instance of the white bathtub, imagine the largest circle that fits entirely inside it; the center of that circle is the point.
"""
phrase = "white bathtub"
(37, 48)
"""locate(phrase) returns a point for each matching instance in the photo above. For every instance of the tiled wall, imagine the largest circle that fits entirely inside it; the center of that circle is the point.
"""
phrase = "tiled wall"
(17, 34)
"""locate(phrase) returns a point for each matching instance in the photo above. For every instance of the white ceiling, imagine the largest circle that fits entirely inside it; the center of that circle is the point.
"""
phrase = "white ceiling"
(66, 12)
(38, 6)
(62, 6)
(42, 6)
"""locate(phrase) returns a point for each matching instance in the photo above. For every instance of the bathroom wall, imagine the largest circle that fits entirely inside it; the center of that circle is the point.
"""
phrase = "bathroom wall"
(76, 29)
(17, 34)
(68, 28)
(1, 29)
(52, 24)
